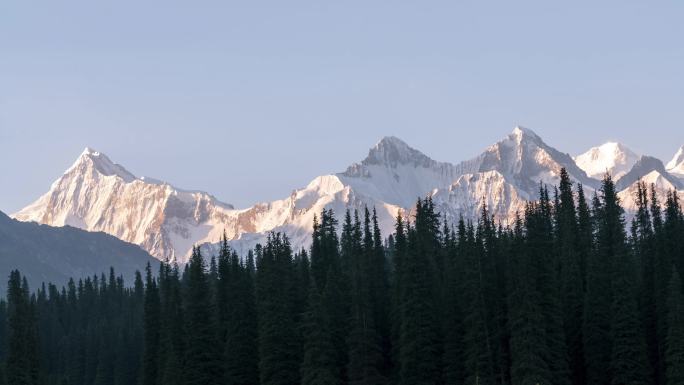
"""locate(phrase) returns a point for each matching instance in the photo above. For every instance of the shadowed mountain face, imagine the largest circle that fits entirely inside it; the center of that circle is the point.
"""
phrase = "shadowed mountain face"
(644, 166)
(96, 194)
(54, 254)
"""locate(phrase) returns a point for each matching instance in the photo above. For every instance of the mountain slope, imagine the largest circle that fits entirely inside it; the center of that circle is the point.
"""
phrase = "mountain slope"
(96, 194)
(525, 160)
(397, 174)
(676, 164)
(54, 254)
(644, 166)
(663, 184)
(614, 158)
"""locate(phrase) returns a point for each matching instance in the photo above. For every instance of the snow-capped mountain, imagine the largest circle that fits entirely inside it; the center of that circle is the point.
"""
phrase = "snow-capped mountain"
(614, 158)
(397, 174)
(465, 197)
(646, 165)
(525, 160)
(676, 165)
(96, 194)
(662, 183)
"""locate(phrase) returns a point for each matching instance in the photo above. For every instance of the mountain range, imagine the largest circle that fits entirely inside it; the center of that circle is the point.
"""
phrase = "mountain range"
(55, 254)
(96, 194)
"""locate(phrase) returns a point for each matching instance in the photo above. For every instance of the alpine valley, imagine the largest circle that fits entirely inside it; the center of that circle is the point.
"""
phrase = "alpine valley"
(96, 194)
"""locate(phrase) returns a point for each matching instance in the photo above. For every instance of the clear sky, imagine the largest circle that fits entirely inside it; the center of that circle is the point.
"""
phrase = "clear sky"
(251, 99)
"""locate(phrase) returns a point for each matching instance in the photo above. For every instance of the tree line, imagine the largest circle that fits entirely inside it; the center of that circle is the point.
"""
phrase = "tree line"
(568, 294)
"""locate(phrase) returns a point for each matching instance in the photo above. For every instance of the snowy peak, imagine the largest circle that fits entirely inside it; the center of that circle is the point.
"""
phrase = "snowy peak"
(644, 166)
(676, 165)
(97, 194)
(94, 161)
(612, 157)
(663, 184)
(524, 159)
(392, 152)
(395, 173)
(521, 134)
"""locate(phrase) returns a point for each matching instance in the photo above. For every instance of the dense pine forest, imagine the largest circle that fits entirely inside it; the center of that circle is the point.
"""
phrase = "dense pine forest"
(569, 294)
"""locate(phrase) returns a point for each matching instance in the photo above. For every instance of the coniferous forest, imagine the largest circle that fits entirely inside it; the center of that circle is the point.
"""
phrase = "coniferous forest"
(569, 294)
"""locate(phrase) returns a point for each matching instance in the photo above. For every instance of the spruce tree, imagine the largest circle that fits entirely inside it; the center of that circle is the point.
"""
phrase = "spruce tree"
(478, 351)
(493, 267)
(598, 298)
(453, 368)
(585, 233)
(629, 362)
(547, 266)
(335, 289)
(319, 364)
(172, 341)
(279, 345)
(150, 373)
(241, 355)
(366, 361)
(202, 356)
(398, 252)
(419, 340)
(22, 366)
(3, 331)
(662, 273)
(644, 249)
(571, 281)
(224, 279)
(674, 354)
(529, 349)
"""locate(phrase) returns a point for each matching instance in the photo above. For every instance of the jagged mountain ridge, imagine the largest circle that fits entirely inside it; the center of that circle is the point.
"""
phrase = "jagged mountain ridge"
(98, 195)
(676, 164)
(645, 166)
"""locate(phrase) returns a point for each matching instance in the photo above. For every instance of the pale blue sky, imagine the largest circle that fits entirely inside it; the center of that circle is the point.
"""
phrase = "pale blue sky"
(248, 100)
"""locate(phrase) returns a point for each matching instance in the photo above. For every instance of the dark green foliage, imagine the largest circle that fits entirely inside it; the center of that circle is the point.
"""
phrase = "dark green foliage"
(477, 340)
(644, 246)
(367, 357)
(598, 297)
(202, 361)
(279, 344)
(333, 285)
(493, 269)
(674, 353)
(319, 362)
(3, 330)
(629, 362)
(570, 276)
(22, 350)
(152, 325)
(529, 350)
(453, 370)
(562, 296)
(172, 344)
(241, 355)
(419, 331)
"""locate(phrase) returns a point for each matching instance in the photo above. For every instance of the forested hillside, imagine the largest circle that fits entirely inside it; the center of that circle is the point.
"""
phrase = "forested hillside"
(568, 295)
